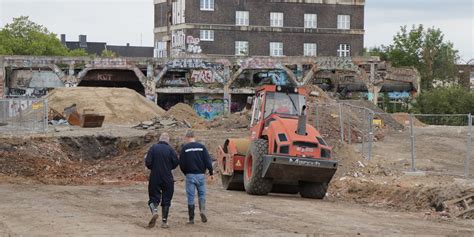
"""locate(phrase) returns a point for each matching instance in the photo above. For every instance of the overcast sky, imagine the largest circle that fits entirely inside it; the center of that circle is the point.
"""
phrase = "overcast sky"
(118, 22)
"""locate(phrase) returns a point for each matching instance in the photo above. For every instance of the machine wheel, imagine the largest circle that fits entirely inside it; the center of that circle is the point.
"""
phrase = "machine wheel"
(313, 190)
(253, 168)
(233, 182)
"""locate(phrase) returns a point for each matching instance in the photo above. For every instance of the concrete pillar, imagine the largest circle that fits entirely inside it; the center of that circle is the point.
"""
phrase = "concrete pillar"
(375, 90)
(71, 69)
(2, 78)
(372, 72)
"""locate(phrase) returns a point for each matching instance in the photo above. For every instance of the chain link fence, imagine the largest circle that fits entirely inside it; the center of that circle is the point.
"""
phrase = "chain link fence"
(440, 144)
(23, 115)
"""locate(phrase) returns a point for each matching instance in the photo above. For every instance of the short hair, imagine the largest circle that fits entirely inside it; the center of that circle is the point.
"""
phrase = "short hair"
(190, 134)
(164, 137)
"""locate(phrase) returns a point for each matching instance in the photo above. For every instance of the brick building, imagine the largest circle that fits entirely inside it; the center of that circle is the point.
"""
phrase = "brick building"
(259, 27)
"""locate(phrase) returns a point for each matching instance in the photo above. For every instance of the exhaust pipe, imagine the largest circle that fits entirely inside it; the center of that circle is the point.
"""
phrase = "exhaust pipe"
(301, 130)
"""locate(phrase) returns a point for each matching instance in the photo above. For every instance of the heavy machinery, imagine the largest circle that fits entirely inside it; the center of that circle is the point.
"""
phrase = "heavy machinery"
(284, 154)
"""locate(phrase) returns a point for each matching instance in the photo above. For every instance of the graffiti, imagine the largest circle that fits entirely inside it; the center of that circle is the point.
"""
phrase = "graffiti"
(336, 63)
(193, 45)
(209, 108)
(104, 77)
(110, 62)
(181, 81)
(398, 95)
(194, 63)
(259, 63)
(206, 77)
(278, 78)
(28, 92)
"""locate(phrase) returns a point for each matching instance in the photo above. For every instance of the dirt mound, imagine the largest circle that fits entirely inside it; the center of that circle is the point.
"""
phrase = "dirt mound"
(233, 121)
(119, 105)
(184, 112)
(404, 118)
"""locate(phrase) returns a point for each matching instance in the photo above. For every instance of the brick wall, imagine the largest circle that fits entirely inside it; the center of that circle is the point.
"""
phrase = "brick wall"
(224, 42)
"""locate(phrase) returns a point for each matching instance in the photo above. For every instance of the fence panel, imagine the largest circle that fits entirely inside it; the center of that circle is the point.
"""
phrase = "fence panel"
(23, 115)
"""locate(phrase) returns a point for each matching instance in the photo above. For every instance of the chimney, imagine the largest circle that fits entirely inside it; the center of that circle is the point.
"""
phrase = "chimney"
(63, 39)
(128, 44)
(83, 41)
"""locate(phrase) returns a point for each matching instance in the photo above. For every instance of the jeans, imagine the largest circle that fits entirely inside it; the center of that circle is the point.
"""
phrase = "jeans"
(193, 182)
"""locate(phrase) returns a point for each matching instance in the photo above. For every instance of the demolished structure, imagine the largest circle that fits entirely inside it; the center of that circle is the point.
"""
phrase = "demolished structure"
(213, 86)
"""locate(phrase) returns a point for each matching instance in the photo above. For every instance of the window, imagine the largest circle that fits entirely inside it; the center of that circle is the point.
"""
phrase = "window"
(242, 48)
(310, 49)
(160, 49)
(276, 49)
(344, 22)
(207, 5)
(311, 21)
(276, 19)
(242, 18)
(344, 50)
(207, 35)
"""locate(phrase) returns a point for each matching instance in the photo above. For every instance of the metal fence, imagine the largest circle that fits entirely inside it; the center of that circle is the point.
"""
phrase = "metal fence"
(435, 143)
(23, 115)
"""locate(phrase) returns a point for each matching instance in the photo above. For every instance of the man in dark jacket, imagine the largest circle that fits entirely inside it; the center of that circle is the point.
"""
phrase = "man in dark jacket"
(193, 161)
(161, 160)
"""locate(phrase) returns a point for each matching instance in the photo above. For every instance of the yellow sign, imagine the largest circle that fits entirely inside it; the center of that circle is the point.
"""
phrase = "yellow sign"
(37, 106)
(238, 163)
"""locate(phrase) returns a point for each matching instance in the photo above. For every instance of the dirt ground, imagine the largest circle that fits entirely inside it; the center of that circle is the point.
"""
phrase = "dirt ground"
(30, 209)
(77, 181)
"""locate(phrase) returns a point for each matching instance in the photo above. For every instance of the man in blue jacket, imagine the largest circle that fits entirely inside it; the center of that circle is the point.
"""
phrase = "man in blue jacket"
(161, 159)
(193, 162)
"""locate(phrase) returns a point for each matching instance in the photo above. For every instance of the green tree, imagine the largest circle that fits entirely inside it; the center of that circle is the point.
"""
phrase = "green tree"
(24, 37)
(427, 51)
(445, 100)
(108, 54)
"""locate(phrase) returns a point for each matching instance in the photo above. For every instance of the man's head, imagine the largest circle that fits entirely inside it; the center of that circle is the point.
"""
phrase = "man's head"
(190, 136)
(165, 137)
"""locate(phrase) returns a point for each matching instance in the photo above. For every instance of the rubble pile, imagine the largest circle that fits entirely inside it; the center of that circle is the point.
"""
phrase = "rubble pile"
(233, 121)
(186, 114)
(160, 123)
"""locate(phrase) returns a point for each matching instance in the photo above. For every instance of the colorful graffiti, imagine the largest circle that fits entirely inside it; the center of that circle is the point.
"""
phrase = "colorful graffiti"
(206, 77)
(208, 108)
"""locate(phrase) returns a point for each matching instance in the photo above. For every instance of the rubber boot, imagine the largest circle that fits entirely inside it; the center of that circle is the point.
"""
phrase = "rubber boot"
(202, 210)
(164, 216)
(154, 213)
(191, 214)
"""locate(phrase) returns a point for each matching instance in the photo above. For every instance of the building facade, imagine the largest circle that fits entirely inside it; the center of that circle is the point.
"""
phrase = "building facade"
(259, 27)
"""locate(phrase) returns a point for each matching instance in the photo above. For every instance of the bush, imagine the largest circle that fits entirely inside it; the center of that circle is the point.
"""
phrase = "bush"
(452, 100)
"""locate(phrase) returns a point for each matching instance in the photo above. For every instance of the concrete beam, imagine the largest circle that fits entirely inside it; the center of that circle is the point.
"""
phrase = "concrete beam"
(2, 78)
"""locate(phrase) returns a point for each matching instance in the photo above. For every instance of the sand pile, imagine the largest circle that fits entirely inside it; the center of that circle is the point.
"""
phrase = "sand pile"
(119, 105)
(184, 112)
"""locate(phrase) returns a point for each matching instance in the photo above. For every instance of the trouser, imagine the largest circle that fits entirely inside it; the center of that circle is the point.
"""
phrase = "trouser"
(195, 182)
(160, 192)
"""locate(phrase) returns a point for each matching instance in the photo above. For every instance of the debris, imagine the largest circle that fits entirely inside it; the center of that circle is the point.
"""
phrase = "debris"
(461, 207)
(159, 123)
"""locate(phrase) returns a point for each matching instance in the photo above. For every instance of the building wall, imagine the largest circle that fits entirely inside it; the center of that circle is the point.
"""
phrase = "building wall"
(259, 42)
(259, 13)
(161, 14)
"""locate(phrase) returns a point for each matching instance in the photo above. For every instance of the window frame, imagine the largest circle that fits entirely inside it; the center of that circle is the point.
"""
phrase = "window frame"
(310, 21)
(279, 49)
(277, 19)
(206, 5)
(238, 47)
(209, 36)
(307, 48)
(241, 18)
(344, 22)
(344, 50)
